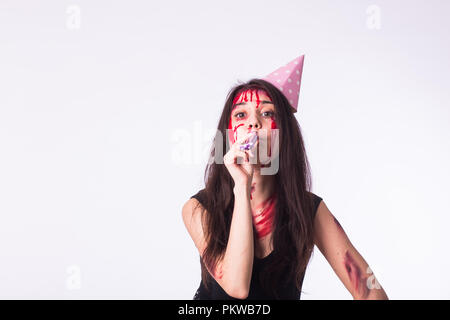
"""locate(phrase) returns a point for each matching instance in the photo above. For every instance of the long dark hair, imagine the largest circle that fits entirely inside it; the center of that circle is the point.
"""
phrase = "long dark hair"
(293, 223)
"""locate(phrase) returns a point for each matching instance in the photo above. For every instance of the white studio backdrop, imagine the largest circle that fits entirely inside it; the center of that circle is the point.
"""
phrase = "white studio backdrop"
(108, 108)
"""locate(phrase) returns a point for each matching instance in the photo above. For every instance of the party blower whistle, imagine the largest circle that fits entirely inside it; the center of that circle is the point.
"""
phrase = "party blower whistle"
(250, 141)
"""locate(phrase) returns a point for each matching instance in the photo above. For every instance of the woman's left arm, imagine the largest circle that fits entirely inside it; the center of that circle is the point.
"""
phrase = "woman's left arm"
(347, 263)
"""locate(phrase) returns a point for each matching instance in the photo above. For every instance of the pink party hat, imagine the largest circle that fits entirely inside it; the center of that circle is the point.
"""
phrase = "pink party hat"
(288, 79)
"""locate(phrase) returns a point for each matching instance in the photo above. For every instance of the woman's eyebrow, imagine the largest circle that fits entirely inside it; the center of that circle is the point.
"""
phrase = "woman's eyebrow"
(243, 103)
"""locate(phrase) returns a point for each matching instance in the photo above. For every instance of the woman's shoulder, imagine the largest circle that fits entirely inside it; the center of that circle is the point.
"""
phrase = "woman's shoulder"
(193, 203)
(199, 195)
(198, 198)
(191, 212)
(316, 200)
(196, 202)
(315, 197)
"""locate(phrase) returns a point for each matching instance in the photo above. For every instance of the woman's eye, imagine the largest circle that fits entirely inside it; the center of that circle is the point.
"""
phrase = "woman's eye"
(240, 115)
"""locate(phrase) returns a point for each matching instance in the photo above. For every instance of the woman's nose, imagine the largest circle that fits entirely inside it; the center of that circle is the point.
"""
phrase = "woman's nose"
(254, 123)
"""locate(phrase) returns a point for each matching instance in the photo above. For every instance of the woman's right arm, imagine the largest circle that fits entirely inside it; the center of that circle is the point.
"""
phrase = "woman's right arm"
(234, 271)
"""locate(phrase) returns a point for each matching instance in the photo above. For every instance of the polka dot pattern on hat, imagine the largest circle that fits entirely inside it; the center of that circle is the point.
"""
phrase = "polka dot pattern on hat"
(288, 80)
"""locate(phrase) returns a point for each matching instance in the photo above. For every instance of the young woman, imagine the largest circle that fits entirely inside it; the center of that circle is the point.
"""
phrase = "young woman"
(255, 232)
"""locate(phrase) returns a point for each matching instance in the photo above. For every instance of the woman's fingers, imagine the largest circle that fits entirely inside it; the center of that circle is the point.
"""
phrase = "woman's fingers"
(240, 169)
(250, 153)
(243, 155)
(235, 152)
(254, 146)
(232, 157)
(244, 138)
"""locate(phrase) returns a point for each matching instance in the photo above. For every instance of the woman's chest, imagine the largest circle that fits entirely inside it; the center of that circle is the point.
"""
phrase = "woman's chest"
(263, 246)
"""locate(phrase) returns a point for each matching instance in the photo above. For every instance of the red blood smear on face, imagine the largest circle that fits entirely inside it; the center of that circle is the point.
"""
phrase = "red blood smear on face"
(242, 97)
(237, 99)
(273, 125)
(230, 131)
(235, 128)
(234, 131)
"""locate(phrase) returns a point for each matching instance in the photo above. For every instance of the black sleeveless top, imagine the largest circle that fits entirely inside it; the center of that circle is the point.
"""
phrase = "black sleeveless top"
(288, 291)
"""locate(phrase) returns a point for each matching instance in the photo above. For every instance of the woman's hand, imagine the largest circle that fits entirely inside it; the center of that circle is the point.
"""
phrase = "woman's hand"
(242, 174)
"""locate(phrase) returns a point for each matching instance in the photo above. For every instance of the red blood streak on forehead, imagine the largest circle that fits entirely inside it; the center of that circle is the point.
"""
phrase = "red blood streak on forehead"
(257, 100)
(240, 97)
(243, 96)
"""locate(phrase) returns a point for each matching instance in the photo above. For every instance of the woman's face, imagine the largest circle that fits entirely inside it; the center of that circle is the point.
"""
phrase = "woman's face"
(253, 111)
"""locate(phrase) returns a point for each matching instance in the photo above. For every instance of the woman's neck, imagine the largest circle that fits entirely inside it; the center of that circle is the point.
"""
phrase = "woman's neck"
(263, 187)
(262, 201)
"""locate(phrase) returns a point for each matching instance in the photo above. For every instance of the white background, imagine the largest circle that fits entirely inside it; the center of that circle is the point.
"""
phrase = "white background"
(97, 98)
